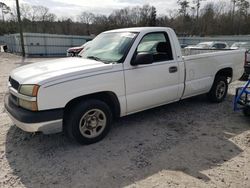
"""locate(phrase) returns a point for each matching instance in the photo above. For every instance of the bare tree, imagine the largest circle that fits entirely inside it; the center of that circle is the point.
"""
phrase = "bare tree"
(243, 7)
(148, 15)
(25, 10)
(213, 18)
(198, 6)
(42, 12)
(4, 9)
(208, 19)
(184, 5)
(234, 5)
(87, 18)
(242, 12)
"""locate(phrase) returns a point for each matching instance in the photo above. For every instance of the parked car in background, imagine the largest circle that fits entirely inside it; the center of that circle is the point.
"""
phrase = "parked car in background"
(74, 51)
(210, 45)
(240, 45)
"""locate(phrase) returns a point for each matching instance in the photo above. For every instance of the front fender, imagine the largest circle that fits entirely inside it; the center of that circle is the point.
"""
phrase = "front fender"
(58, 95)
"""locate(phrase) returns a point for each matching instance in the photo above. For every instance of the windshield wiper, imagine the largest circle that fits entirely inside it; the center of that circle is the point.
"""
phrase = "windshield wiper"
(98, 59)
(95, 58)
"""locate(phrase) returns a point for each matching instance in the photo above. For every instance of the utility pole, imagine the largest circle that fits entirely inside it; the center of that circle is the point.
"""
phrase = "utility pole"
(20, 27)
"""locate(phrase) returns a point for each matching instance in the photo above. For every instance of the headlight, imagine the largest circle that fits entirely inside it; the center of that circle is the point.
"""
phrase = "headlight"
(30, 90)
(29, 105)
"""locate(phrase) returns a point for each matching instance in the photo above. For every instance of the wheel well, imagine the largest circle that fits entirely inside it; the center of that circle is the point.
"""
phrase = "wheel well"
(228, 72)
(108, 97)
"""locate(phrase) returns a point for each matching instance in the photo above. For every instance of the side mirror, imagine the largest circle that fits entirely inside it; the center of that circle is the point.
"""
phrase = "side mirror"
(142, 58)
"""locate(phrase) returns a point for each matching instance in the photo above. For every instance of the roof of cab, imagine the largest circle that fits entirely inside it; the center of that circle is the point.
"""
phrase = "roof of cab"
(138, 29)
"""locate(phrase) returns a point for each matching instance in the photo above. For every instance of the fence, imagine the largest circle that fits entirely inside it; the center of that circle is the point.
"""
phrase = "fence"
(38, 44)
(2, 40)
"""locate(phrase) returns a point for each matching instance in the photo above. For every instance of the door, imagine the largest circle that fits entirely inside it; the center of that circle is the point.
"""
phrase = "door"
(154, 84)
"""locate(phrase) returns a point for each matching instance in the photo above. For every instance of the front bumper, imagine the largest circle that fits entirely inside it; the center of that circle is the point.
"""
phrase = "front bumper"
(47, 122)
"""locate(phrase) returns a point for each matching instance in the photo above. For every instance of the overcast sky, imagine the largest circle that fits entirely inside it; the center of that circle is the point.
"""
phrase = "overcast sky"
(66, 8)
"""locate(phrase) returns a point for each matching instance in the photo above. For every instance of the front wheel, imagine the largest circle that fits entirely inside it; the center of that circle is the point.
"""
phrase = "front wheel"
(89, 121)
(219, 90)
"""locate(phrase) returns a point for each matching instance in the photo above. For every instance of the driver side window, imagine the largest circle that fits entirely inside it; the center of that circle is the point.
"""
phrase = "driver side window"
(158, 45)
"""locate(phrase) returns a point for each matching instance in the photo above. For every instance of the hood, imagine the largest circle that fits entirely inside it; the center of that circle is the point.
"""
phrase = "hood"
(38, 73)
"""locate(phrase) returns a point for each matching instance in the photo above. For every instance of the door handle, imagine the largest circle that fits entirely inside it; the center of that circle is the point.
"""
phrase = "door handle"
(173, 69)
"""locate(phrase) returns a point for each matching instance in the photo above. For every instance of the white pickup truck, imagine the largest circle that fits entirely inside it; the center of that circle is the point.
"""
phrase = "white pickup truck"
(122, 72)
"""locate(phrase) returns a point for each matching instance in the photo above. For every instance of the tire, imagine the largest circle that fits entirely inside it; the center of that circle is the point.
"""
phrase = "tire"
(246, 111)
(88, 122)
(218, 92)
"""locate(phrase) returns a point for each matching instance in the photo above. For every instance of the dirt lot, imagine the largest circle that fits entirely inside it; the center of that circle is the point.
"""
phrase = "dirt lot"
(191, 143)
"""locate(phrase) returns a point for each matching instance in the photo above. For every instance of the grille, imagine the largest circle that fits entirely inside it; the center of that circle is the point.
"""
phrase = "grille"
(14, 83)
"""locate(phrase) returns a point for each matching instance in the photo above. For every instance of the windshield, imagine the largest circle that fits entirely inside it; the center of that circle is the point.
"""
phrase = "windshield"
(109, 47)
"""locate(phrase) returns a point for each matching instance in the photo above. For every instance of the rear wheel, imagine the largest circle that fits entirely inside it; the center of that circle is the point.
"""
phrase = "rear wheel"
(219, 89)
(89, 121)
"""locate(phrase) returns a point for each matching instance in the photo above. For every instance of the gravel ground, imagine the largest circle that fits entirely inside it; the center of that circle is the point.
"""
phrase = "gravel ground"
(191, 143)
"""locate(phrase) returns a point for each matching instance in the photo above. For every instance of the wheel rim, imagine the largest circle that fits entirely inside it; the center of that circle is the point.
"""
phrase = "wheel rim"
(92, 123)
(220, 90)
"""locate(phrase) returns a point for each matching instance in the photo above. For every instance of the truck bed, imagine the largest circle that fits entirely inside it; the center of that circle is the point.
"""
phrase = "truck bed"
(200, 69)
(193, 51)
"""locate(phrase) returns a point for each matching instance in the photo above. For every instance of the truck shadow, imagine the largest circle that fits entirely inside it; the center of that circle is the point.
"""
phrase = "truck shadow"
(189, 136)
